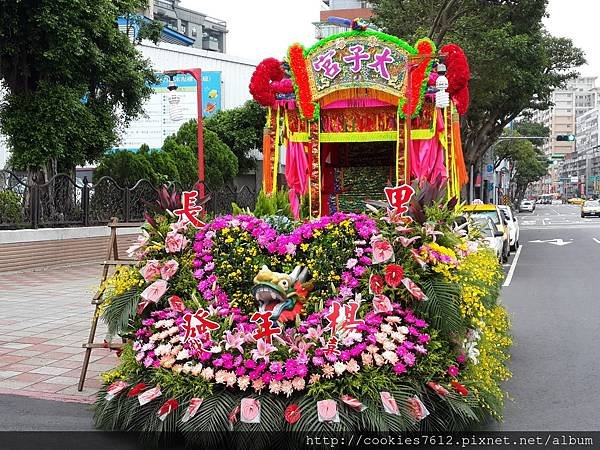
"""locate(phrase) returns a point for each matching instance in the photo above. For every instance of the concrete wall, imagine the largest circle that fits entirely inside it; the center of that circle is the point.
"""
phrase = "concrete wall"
(27, 250)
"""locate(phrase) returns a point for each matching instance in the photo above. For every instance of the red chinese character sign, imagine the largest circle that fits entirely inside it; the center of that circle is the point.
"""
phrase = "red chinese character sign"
(196, 326)
(363, 59)
(189, 210)
(398, 197)
(357, 61)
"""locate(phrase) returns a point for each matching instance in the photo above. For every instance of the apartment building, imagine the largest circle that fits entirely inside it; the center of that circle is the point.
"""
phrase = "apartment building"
(206, 33)
(348, 9)
(579, 96)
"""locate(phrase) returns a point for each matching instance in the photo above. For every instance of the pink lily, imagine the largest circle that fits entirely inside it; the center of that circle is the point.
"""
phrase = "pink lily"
(233, 341)
(406, 241)
(262, 350)
(429, 229)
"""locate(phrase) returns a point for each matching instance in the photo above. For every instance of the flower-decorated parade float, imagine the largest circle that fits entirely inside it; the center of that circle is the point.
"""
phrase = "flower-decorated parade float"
(384, 320)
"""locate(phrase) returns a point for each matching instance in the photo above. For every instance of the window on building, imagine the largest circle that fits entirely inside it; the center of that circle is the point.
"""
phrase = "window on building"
(194, 32)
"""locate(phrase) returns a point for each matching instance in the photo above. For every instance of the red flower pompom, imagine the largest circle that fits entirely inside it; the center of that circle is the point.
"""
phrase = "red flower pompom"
(460, 388)
(136, 390)
(393, 275)
(376, 284)
(292, 413)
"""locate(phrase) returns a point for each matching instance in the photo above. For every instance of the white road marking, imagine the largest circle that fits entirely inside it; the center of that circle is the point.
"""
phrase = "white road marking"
(596, 241)
(558, 242)
(512, 268)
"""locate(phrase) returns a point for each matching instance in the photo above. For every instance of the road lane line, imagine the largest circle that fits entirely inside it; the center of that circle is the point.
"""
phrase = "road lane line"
(512, 268)
(596, 241)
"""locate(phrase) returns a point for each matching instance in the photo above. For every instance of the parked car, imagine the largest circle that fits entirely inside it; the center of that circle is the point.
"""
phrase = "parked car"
(513, 226)
(493, 237)
(527, 205)
(575, 201)
(491, 211)
(590, 208)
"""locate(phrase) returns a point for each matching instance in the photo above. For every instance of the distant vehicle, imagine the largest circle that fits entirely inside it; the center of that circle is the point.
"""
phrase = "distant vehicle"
(491, 211)
(575, 201)
(590, 208)
(493, 237)
(527, 205)
(513, 226)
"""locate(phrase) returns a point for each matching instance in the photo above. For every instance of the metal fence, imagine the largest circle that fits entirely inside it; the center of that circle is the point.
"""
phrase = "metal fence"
(66, 202)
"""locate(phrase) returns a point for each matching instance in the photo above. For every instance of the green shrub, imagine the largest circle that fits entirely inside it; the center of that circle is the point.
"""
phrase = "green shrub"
(10, 207)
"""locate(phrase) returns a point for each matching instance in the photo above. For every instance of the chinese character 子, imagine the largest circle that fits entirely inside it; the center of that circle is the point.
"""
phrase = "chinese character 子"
(398, 197)
(325, 63)
(342, 317)
(266, 330)
(189, 211)
(357, 57)
(196, 325)
(381, 61)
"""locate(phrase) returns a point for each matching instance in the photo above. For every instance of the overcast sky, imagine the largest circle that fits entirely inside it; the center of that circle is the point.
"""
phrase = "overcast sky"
(262, 28)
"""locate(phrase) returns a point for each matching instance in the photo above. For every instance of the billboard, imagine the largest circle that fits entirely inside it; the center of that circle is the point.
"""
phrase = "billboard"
(165, 111)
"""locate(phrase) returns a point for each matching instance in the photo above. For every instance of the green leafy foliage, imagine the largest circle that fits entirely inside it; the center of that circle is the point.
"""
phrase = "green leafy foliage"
(119, 312)
(442, 309)
(10, 207)
(241, 129)
(126, 168)
(220, 163)
(73, 80)
(511, 56)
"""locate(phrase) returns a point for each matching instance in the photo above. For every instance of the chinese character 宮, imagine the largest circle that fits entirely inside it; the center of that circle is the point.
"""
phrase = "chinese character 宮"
(381, 61)
(357, 57)
(326, 64)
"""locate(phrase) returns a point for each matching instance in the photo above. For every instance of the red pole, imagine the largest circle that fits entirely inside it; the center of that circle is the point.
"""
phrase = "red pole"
(409, 68)
(197, 74)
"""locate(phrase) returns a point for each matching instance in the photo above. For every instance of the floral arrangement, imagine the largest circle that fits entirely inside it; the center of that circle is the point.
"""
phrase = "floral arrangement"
(343, 322)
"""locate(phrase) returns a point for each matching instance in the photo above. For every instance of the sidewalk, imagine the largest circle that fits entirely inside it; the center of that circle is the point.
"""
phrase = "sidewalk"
(45, 316)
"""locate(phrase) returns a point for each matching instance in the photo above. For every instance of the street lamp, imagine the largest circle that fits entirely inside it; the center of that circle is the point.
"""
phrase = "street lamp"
(197, 75)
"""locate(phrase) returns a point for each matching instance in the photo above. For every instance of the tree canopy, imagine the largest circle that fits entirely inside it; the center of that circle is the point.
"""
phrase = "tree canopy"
(177, 161)
(72, 78)
(526, 160)
(241, 129)
(515, 64)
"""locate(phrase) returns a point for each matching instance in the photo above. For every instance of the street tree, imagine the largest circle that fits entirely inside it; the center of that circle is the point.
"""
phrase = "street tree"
(73, 80)
(515, 64)
(241, 129)
(526, 161)
(220, 163)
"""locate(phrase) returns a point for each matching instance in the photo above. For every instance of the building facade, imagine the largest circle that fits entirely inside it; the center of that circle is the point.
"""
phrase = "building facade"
(347, 9)
(206, 32)
(578, 97)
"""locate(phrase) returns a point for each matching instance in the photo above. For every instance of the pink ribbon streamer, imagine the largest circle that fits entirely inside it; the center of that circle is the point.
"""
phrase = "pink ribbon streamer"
(296, 174)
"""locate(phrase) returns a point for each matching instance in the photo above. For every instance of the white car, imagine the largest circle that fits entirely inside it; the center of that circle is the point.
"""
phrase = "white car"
(491, 234)
(513, 226)
(527, 205)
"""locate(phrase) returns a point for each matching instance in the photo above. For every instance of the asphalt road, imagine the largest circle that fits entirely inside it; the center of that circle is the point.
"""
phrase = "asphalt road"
(554, 301)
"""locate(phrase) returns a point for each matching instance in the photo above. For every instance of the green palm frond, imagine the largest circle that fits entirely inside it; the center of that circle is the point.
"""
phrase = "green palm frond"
(442, 309)
(120, 311)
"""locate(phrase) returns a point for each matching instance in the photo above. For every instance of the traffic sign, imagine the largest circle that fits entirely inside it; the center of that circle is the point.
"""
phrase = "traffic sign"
(557, 156)
(489, 168)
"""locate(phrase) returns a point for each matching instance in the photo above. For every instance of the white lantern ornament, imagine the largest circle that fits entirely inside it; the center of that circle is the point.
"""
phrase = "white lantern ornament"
(442, 98)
